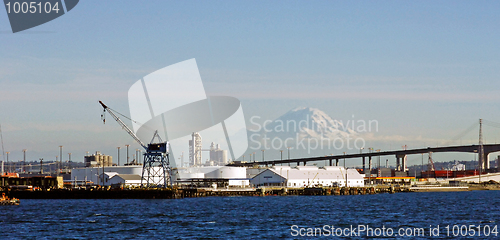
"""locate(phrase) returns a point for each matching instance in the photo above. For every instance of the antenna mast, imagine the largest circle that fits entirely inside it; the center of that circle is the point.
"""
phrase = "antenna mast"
(1, 136)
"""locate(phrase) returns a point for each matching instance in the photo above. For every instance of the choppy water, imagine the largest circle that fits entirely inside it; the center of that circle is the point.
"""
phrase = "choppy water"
(248, 217)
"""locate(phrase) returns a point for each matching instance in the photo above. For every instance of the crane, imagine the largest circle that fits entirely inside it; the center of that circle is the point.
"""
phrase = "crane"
(156, 170)
(431, 166)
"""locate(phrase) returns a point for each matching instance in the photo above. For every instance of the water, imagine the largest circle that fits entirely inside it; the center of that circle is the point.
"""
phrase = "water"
(247, 217)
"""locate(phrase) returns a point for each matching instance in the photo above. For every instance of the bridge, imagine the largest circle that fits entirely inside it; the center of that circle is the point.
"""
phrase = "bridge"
(399, 154)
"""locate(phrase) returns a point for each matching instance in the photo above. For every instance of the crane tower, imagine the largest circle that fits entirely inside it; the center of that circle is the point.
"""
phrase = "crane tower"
(156, 170)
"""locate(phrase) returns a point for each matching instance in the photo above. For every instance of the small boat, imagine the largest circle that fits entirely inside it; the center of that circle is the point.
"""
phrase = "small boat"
(7, 201)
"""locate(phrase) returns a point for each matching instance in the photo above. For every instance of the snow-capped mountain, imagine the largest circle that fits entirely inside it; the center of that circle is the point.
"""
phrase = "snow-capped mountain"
(305, 122)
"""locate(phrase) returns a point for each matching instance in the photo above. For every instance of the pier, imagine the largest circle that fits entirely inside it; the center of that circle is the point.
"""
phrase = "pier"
(196, 192)
(177, 193)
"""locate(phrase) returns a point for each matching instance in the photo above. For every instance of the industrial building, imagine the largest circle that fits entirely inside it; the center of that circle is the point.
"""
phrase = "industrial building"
(308, 176)
(94, 175)
(218, 157)
(195, 150)
(125, 180)
(98, 160)
(14, 181)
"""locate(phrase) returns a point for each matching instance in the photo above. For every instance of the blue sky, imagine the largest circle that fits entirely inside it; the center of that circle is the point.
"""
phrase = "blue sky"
(425, 70)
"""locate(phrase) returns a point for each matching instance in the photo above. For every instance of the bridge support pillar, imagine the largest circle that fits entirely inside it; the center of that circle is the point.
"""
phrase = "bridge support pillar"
(369, 166)
(405, 167)
(364, 165)
(336, 162)
(304, 163)
(331, 162)
(398, 164)
(486, 163)
(401, 162)
(498, 163)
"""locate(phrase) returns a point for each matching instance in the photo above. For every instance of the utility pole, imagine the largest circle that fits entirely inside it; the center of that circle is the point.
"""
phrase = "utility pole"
(118, 156)
(137, 154)
(182, 159)
(60, 160)
(481, 149)
(103, 172)
(10, 165)
(127, 152)
(378, 150)
(41, 165)
(69, 162)
(361, 152)
(345, 172)
(24, 160)
(370, 166)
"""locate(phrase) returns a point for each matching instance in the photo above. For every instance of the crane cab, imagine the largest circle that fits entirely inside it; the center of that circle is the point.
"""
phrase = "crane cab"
(157, 148)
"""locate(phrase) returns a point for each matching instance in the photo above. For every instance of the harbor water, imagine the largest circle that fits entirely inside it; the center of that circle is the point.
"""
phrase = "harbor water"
(267, 217)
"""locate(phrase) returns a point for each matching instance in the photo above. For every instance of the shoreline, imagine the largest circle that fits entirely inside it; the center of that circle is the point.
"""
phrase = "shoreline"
(177, 193)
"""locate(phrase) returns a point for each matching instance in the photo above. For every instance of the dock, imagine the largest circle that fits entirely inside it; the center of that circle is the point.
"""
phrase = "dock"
(175, 193)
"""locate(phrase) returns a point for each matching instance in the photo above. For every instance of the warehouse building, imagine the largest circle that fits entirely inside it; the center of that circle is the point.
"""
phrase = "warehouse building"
(94, 175)
(308, 176)
(125, 180)
(223, 176)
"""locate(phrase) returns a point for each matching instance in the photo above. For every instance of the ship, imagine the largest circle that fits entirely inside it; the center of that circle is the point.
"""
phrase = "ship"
(449, 173)
(5, 200)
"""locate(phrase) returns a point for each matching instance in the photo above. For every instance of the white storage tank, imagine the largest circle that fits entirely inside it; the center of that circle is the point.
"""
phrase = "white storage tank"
(227, 173)
(184, 175)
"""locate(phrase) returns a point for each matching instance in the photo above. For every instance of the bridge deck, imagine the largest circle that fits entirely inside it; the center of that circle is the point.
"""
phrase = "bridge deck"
(488, 148)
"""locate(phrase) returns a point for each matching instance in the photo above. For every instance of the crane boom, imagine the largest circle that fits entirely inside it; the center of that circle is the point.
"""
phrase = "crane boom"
(124, 126)
(156, 170)
(431, 166)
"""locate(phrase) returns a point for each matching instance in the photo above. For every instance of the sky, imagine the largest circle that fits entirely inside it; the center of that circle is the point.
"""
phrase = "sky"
(425, 70)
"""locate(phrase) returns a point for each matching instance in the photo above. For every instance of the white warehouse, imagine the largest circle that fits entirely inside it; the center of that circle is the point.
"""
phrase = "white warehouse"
(308, 176)
(94, 175)
(235, 176)
(129, 175)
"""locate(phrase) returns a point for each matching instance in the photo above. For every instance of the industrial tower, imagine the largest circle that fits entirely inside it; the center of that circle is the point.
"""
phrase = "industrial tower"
(156, 170)
(195, 150)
